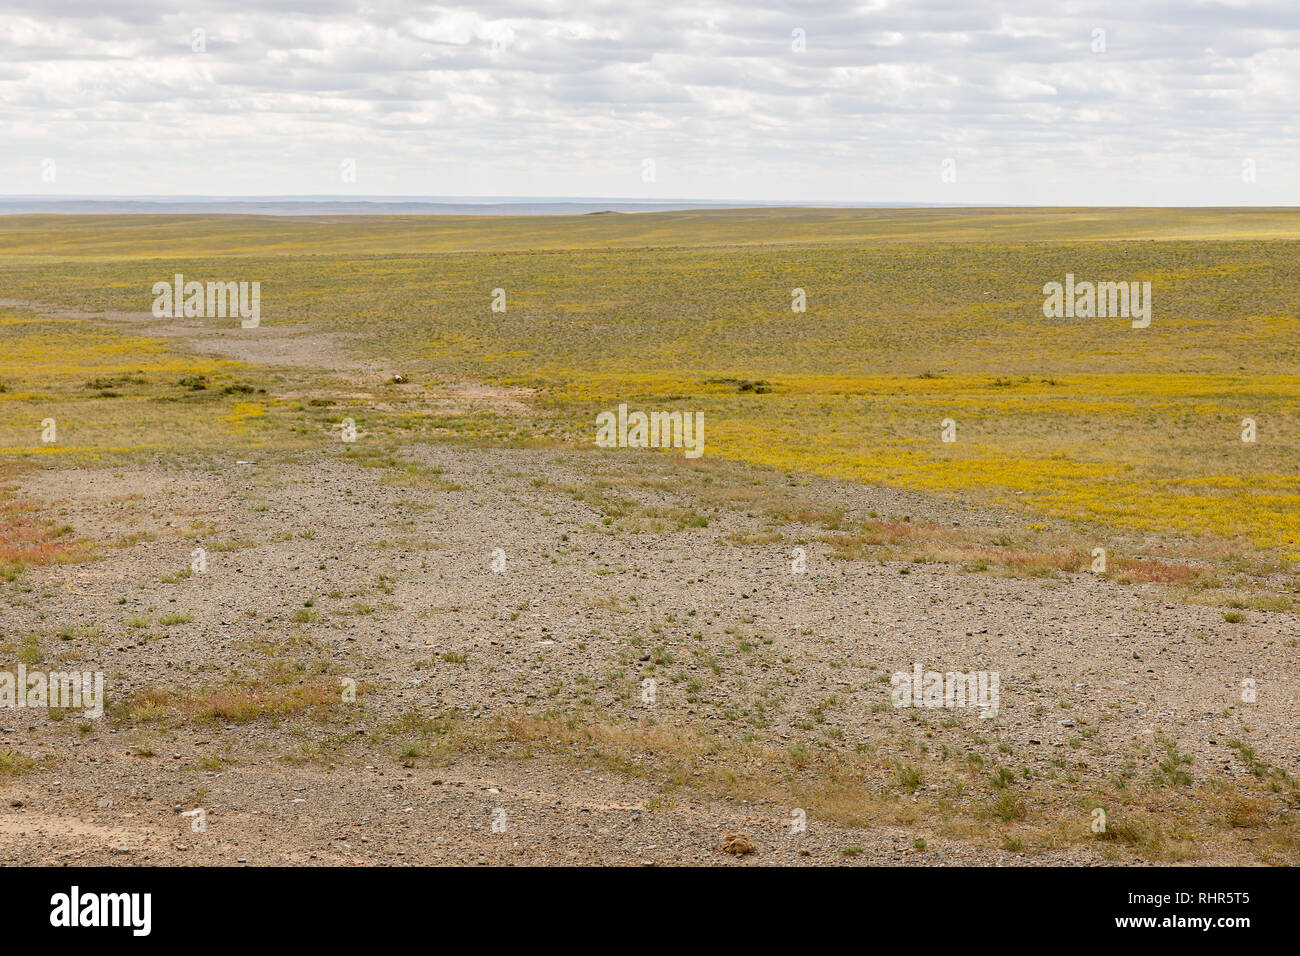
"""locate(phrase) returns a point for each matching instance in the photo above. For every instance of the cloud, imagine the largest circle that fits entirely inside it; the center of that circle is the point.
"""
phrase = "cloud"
(1089, 103)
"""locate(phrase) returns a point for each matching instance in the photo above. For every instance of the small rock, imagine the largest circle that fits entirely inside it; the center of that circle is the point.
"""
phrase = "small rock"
(738, 844)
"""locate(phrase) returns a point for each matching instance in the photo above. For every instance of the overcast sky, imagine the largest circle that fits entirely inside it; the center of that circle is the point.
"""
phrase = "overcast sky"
(1178, 102)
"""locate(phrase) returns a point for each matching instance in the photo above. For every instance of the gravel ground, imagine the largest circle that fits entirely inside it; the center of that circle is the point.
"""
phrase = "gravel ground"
(584, 611)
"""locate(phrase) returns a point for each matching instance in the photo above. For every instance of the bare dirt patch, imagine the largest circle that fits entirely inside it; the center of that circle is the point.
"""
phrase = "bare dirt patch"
(285, 344)
(522, 690)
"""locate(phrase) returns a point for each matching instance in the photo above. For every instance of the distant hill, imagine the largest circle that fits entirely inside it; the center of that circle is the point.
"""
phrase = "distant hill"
(367, 206)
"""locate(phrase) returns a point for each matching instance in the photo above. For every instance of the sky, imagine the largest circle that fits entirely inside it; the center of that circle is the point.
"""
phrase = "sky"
(1141, 102)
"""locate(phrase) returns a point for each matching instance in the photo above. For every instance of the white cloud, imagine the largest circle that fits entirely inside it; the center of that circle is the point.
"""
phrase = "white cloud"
(510, 97)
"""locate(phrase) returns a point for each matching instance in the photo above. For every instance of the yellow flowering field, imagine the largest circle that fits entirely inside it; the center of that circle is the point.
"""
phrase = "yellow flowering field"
(912, 318)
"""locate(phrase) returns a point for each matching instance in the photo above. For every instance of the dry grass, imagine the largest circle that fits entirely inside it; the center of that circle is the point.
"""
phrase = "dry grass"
(236, 704)
(15, 764)
(1158, 820)
(29, 540)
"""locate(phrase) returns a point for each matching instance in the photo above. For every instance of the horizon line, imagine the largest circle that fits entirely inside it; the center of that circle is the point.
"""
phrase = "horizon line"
(507, 200)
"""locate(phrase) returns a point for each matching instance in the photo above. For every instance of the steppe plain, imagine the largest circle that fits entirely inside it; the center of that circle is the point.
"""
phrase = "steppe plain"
(498, 590)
